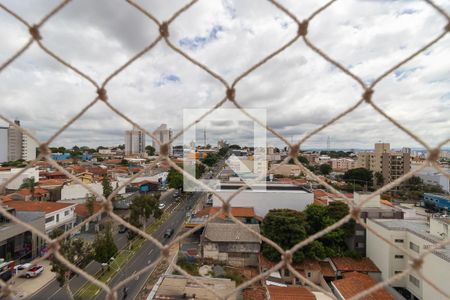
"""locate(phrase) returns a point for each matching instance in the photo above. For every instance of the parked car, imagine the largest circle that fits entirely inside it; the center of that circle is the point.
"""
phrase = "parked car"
(169, 232)
(33, 271)
(161, 206)
(122, 229)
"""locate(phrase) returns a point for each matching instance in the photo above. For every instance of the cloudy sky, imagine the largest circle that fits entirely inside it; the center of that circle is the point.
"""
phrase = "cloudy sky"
(298, 89)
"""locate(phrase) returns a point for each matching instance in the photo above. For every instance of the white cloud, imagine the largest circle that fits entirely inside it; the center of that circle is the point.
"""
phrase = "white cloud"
(300, 89)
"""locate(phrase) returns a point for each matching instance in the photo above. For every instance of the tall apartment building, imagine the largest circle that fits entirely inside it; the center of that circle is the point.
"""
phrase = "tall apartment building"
(164, 134)
(134, 141)
(14, 145)
(14, 142)
(414, 237)
(3, 144)
(389, 163)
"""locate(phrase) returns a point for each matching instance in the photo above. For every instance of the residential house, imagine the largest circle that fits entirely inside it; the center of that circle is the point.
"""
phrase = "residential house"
(244, 214)
(82, 212)
(289, 292)
(17, 242)
(57, 215)
(231, 244)
(362, 265)
(39, 194)
(354, 283)
(286, 170)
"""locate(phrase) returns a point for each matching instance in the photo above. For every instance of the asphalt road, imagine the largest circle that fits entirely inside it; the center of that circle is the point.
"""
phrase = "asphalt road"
(54, 292)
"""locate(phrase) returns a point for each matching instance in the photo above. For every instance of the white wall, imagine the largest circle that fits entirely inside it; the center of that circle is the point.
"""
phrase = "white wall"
(76, 191)
(263, 201)
(15, 184)
(63, 218)
(3, 144)
(431, 176)
(28, 148)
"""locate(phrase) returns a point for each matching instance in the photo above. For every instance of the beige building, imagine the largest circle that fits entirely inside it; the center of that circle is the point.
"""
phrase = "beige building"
(414, 237)
(342, 164)
(390, 164)
(164, 135)
(134, 141)
(286, 170)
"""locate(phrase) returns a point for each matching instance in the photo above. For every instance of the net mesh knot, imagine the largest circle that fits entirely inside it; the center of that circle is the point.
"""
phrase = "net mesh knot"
(293, 151)
(433, 155)
(102, 95)
(417, 263)
(231, 93)
(34, 31)
(303, 28)
(44, 150)
(367, 95)
(287, 257)
(164, 30)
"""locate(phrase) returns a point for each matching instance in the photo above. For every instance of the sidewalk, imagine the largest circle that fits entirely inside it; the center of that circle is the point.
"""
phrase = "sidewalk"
(26, 287)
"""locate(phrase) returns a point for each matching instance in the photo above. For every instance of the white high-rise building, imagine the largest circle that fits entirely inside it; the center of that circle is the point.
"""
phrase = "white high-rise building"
(164, 134)
(14, 142)
(134, 141)
(28, 148)
(3, 144)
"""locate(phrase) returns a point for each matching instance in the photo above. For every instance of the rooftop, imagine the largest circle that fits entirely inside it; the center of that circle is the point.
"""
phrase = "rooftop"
(42, 206)
(290, 293)
(348, 264)
(419, 228)
(235, 211)
(354, 283)
(231, 232)
(81, 209)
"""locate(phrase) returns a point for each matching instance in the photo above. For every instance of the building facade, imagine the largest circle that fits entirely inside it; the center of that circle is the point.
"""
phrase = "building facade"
(413, 237)
(3, 144)
(164, 135)
(14, 142)
(28, 148)
(134, 141)
(390, 164)
(17, 182)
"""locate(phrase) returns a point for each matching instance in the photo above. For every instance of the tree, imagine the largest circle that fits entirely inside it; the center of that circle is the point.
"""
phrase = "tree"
(223, 151)
(75, 250)
(286, 228)
(104, 246)
(234, 146)
(359, 174)
(211, 159)
(150, 150)
(107, 188)
(325, 169)
(29, 183)
(143, 207)
(315, 217)
(175, 179)
(379, 179)
(90, 204)
(303, 160)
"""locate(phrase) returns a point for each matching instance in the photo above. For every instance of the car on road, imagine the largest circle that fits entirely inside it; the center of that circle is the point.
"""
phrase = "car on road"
(122, 229)
(161, 206)
(33, 270)
(169, 232)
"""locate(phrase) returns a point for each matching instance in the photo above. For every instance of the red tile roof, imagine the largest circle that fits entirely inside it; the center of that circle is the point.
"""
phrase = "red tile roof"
(348, 264)
(6, 198)
(290, 293)
(241, 212)
(354, 283)
(307, 264)
(44, 206)
(37, 191)
(81, 209)
(5, 168)
(48, 182)
(265, 263)
(254, 293)
(326, 269)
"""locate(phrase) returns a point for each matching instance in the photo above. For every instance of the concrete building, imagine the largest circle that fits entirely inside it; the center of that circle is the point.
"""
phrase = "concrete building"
(180, 287)
(3, 144)
(57, 215)
(14, 142)
(6, 173)
(17, 242)
(231, 244)
(414, 237)
(262, 200)
(164, 134)
(134, 141)
(28, 148)
(390, 164)
(342, 164)
(286, 170)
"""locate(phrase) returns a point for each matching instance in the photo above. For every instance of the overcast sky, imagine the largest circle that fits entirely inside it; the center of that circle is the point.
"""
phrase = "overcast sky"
(299, 90)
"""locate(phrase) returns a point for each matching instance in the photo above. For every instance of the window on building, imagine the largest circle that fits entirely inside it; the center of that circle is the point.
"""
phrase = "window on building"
(398, 256)
(414, 247)
(57, 218)
(399, 240)
(359, 232)
(66, 213)
(50, 219)
(309, 274)
(414, 280)
(396, 272)
(360, 245)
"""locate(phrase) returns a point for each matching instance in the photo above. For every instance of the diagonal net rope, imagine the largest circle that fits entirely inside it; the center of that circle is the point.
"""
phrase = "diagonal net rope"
(163, 27)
